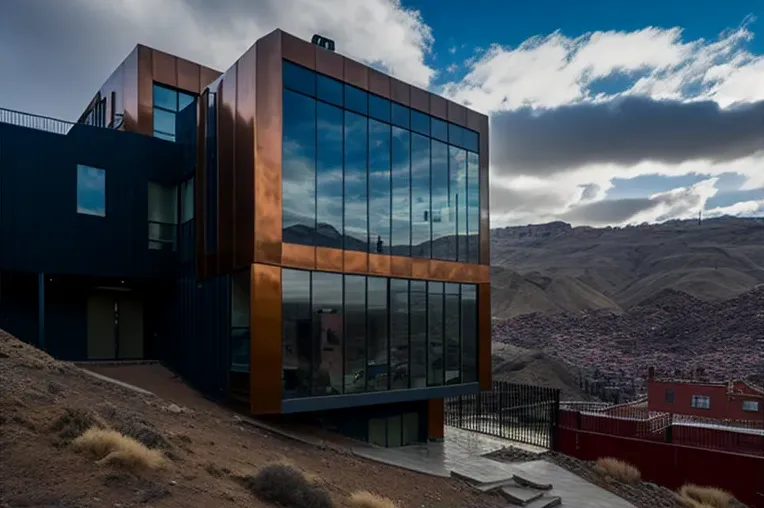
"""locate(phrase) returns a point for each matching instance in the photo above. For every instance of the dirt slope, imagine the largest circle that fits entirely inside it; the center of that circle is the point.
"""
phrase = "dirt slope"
(207, 448)
(534, 367)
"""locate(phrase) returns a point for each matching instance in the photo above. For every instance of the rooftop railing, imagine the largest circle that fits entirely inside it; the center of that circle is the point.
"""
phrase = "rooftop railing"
(45, 123)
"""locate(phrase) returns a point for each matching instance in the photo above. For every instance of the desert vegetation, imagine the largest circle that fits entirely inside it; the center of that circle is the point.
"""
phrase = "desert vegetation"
(618, 470)
(112, 448)
(695, 496)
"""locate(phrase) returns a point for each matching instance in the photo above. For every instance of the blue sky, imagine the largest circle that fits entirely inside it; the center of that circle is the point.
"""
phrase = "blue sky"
(592, 103)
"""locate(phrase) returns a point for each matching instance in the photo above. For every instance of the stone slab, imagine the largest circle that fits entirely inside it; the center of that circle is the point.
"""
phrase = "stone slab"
(520, 495)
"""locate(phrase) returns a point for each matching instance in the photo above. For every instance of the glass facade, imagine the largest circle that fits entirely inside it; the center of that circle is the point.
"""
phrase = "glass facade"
(363, 173)
(167, 103)
(344, 334)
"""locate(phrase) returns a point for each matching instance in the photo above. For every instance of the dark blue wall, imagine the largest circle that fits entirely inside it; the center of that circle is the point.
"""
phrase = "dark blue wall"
(40, 229)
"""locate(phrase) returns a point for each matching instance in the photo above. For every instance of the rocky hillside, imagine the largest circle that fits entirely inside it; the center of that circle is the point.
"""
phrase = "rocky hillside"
(671, 331)
(555, 268)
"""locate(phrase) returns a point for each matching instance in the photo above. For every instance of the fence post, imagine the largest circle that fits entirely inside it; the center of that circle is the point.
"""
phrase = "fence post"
(669, 430)
(555, 421)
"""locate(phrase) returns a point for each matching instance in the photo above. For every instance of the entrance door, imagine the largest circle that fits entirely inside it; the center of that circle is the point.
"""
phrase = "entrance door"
(102, 339)
(129, 314)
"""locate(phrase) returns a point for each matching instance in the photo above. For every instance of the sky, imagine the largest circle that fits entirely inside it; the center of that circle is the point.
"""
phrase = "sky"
(602, 113)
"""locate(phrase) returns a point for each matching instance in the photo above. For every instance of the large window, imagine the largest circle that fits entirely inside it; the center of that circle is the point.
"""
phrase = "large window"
(346, 334)
(363, 173)
(91, 191)
(240, 321)
(163, 216)
(701, 402)
(167, 103)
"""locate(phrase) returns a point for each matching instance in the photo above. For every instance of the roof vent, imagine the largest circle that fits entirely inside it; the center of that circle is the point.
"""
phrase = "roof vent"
(320, 40)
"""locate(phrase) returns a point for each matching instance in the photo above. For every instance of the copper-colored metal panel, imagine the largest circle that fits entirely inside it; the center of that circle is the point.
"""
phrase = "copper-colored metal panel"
(484, 336)
(420, 99)
(483, 273)
(379, 264)
(400, 92)
(164, 68)
(435, 419)
(420, 268)
(298, 51)
(485, 198)
(356, 74)
(244, 161)
(268, 150)
(438, 106)
(457, 114)
(130, 91)
(400, 266)
(265, 340)
(145, 91)
(355, 262)
(330, 63)
(474, 120)
(298, 256)
(207, 76)
(200, 179)
(226, 170)
(379, 83)
(188, 75)
(329, 260)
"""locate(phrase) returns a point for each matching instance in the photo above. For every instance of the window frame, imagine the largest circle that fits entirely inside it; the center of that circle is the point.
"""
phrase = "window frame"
(753, 406)
(81, 210)
(695, 404)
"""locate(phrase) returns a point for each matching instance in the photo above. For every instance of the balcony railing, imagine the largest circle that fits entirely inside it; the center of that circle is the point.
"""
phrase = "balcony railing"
(45, 123)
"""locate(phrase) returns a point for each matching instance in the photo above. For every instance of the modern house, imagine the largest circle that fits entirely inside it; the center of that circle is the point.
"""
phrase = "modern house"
(302, 233)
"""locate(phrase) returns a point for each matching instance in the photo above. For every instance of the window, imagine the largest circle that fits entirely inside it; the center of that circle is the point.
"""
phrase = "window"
(355, 333)
(399, 333)
(750, 405)
(329, 90)
(355, 183)
(443, 229)
(296, 333)
(91, 191)
(469, 333)
(452, 343)
(327, 333)
(379, 108)
(377, 332)
(669, 396)
(401, 190)
(356, 100)
(457, 199)
(163, 215)
(439, 129)
(329, 193)
(435, 333)
(418, 333)
(420, 196)
(187, 200)
(701, 402)
(240, 321)
(379, 187)
(473, 208)
(299, 78)
(167, 103)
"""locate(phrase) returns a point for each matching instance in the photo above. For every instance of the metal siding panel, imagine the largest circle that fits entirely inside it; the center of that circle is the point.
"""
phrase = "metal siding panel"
(200, 181)
(484, 336)
(400, 92)
(207, 76)
(485, 217)
(226, 169)
(244, 192)
(438, 106)
(164, 68)
(356, 74)
(298, 51)
(355, 262)
(329, 260)
(145, 92)
(420, 99)
(298, 256)
(379, 264)
(188, 75)
(330, 63)
(435, 418)
(379, 83)
(457, 114)
(130, 91)
(265, 340)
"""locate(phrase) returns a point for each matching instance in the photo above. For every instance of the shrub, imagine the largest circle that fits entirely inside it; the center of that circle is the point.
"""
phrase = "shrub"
(701, 497)
(618, 470)
(111, 447)
(74, 422)
(284, 485)
(365, 499)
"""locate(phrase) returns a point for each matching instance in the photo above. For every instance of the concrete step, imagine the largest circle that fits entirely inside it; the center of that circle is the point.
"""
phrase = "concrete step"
(525, 481)
(520, 495)
(545, 502)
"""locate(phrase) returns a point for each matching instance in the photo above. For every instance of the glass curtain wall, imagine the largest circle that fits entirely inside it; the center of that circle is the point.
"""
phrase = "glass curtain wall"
(362, 173)
(347, 334)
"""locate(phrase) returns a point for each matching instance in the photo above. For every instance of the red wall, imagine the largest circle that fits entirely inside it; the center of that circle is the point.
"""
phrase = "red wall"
(672, 465)
(723, 405)
(738, 442)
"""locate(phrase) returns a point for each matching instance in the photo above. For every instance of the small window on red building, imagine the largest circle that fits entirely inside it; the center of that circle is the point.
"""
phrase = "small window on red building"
(750, 405)
(701, 402)
(669, 396)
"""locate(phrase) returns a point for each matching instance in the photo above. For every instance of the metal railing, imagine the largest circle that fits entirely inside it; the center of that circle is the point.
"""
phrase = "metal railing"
(523, 413)
(48, 124)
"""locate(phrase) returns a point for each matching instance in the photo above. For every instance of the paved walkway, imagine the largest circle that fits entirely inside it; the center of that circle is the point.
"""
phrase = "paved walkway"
(461, 452)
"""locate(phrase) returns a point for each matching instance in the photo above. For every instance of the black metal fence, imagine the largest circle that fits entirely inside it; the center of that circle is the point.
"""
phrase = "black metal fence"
(523, 413)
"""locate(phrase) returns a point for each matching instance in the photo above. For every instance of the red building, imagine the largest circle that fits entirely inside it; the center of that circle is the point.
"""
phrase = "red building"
(734, 400)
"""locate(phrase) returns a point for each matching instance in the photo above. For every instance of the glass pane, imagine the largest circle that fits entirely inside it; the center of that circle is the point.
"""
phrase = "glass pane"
(418, 329)
(299, 78)
(452, 333)
(240, 349)
(296, 333)
(187, 200)
(162, 203)
(377, 363)
(240, 299)
(456, 135)
(164, 122)
(420, 122)
(355, 185)
(435, 333)
(473, 208)
(355, 333)
(329, 90)
(356, 100)
(400, 115)
(457, 198)
(184, 100)
(420, 196)
(327, 333)
(401, 189)
(471, 140)
(165, 98)
(399, 333)
(469, 333)
(439, 130)
(379, 108)
(443, 227)
(166, 137)
(379, 187)
(91, 191)
(298, 169)
(329, 177)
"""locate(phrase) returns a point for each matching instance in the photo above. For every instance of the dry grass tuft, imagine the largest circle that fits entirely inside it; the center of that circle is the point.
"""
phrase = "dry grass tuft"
(365, 499)
(695, 496)
(618, 470)
(287, 486)
(74, 422)
(112, 448)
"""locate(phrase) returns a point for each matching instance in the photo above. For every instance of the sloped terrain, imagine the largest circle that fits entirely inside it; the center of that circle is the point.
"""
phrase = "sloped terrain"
(45, 404)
